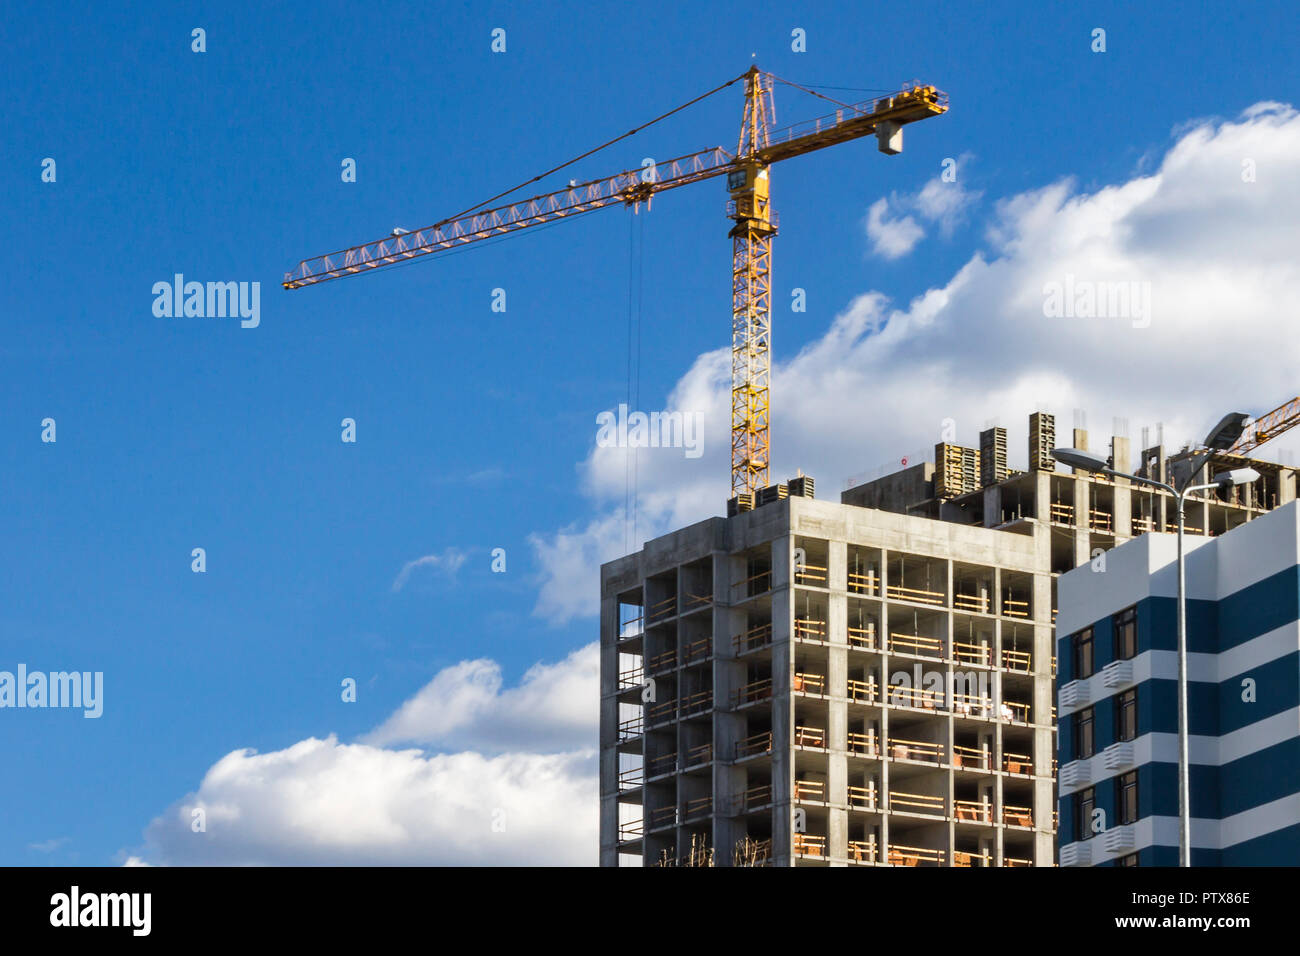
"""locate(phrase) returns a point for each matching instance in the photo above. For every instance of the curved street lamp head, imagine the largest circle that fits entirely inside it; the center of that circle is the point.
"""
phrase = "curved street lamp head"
(1076, 458)
(1225, 434)
(1237, 476)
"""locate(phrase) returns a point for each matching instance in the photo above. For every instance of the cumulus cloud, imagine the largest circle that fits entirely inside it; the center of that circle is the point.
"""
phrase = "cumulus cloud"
(553, 708)
(322, 802)
(1208, 235)
(516, 784)
(892, 224)
(891, 238)
(446, 562)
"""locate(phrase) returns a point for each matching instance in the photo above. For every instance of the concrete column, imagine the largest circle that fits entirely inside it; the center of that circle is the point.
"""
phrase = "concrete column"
(992, 506)
(728, 675)
(1082, 520)
(837, 795)
(782, 712)
(609, 626)
(1286, 486)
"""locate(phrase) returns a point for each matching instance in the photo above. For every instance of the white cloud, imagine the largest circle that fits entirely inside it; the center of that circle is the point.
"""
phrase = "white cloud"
(448, 562)
(554, 708)
(891, 238)
(48, 846)
(531, 799)
(891, 223)
(1216, 252)
(322, 802)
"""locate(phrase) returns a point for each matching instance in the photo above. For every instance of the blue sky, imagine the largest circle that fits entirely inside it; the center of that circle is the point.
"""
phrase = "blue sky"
(474, 427)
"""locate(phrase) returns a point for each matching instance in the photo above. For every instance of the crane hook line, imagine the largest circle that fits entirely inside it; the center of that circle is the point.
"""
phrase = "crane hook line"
(590, 152)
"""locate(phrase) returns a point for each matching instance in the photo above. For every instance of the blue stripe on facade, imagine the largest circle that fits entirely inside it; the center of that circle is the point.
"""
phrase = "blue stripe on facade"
(1214, 709)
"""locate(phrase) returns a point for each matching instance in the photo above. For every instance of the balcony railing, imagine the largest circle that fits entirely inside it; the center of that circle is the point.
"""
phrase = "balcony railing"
(755, 584)
(632, 830)
(1012, 861)
(971, 758)
(631, 778)
(923, 698)
(811, 575)
(978, 603)
(699, 807)
(812, 737)
(1014, 608)
(809, 629)
(1016, 660)
(810, 789)
(663, 817)
(975, 811)
(1015, 711)
(631, 728)
(922, 803)
(753, 692)
(631, 678)
(814, 684)
(868, 583)
(971, 858)
(808, 845)
(631, 628)
(863, 745)
(1017, 816)
(974, 655)
(862, 798)
(863, 638)
(662, 609)
(913, 856)
(1061, 513)
(699, 755)
(757, 637)
(661, 711)
(697, 651)
(697, 703)
(896, 592)
(862, 691)
(919, 750)
(918, 644)
(755, 798)
(757, 744)
(862, 851)
(971, 705)
(663, 662)
(1017, 763)
(694, 601)
(664, 763)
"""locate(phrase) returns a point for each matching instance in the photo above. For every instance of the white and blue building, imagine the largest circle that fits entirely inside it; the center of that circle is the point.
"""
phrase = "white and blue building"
(1117, 699)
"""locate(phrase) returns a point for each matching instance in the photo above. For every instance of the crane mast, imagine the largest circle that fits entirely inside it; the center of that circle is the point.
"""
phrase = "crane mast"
(750, 209)
(754, 225)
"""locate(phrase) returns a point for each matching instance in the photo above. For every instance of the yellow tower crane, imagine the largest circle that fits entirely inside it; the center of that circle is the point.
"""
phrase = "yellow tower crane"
(748, 181)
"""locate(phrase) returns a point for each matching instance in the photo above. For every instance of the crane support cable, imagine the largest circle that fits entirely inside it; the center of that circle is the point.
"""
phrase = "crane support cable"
(592, 152)
(804, 89)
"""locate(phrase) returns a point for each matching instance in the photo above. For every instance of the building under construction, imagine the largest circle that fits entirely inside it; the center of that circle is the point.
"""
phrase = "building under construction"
(869, 682)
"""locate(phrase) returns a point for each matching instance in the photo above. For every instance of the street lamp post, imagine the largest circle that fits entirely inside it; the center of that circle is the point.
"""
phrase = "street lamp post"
(1221, 438)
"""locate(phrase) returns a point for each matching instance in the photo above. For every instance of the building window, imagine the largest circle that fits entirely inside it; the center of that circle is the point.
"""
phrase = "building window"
(1126, 634)
(1130, 860)
(1084, 801)
(1083, 654)
(1084, 735)
(1126, 715)
(1126, 797)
